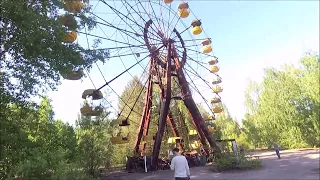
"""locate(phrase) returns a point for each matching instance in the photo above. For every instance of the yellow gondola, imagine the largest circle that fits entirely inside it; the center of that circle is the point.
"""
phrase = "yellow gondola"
(217, 109)
(213, 61)
(87, 110)
(71, 37)
(215, 100)
(195, 145)
(193, 132)
(211, 129)
(196, 27)
(124, 122)
(207, 49)
(173, 140)
(73, 6)
(120, 139)
(209, 118)
(183, 13)
(95, 94)
(206, 42)
(167, 1)
(69, 21)
(183, 5)
(217, 89)
(214, 69)
(216, 81)
(74, 75)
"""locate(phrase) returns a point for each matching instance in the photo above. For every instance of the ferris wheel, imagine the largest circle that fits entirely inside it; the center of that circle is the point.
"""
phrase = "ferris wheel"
(165, 43)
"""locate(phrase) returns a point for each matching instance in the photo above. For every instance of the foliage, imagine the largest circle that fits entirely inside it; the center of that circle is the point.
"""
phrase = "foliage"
(32, 53)
(32, 144)
(225, 126)
(94, 147)
(284, 108)
(231, 161)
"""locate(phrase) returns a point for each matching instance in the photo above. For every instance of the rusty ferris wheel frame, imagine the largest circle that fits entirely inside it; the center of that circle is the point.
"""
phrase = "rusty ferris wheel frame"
(171, 64)
(166, 69)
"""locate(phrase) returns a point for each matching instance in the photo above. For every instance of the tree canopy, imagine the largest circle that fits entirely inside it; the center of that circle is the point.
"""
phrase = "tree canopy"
(33, 54)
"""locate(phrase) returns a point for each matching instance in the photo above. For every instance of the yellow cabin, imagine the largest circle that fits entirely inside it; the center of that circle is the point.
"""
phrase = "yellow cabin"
(214, 69)
(211, 129)
(193, 132)
(196, 27)
(95, 94)
(209, 118)
(213, 61)
(215, 100)
(89, 111)
(173, 140)
(74, 75)
(216, 81)
(206, 42)
(195, 145)
(71, 37)
(217, 109)
(73, 6)
(183, 13)
(196, 30)
(207, 49)
(217, 89)
(119, 139)
(167, 1)
(124, 122)
(69, 21)
(183, 5)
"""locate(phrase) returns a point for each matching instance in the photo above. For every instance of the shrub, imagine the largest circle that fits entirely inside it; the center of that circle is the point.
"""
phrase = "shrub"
(229, 161)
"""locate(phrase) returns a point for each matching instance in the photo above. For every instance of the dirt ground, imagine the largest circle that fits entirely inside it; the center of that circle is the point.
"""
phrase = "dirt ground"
(294, 164)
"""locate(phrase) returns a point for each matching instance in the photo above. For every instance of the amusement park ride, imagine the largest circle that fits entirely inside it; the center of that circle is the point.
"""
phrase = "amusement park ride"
(167, 63)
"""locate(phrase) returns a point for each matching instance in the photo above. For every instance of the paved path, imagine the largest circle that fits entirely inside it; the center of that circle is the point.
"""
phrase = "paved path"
(294, 164)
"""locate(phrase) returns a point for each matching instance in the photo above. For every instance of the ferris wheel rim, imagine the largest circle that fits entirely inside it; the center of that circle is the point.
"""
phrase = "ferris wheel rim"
(189, 33)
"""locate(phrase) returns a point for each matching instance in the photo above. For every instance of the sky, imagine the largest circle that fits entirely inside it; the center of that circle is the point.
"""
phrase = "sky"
(247, 36)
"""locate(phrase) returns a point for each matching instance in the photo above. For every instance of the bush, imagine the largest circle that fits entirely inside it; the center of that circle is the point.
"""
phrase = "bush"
(230, 161)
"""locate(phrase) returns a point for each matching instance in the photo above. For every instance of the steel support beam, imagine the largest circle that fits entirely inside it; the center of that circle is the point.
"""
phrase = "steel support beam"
(165, 103)
(174, 129)
(146, 115)
(191, 105)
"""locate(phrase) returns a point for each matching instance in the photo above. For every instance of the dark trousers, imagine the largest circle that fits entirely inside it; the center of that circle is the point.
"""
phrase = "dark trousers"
(181, 178)
(278, 153)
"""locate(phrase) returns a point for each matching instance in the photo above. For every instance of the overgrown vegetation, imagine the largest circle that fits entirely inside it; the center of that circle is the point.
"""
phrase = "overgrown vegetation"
(283, 108)
(232, 161)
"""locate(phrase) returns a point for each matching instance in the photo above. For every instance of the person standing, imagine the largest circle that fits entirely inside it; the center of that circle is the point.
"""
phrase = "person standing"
(180, 166)
(277, 149)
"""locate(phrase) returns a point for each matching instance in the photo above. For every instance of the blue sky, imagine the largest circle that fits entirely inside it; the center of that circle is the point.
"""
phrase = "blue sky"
(247, 36)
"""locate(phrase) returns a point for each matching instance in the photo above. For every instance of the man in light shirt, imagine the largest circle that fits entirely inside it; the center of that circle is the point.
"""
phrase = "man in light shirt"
(180, 166)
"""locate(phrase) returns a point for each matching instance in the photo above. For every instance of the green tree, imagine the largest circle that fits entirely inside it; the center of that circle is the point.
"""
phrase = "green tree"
(32, 145)
(32, 51)
(283, 107)
(226, 126)
(94, 146)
